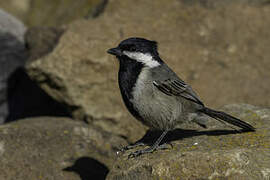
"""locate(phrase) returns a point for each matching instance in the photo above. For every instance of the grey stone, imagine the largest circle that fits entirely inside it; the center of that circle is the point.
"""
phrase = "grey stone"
(12, 26)
(12, 55)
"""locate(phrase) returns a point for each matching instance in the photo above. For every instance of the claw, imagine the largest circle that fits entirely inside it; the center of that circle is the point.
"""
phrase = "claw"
(134, 154)
(131, 146)
(140, 152)
(149, 150)
(165, 146)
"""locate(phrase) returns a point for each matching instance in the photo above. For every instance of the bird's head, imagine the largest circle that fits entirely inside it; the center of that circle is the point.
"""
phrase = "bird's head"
(138, 50)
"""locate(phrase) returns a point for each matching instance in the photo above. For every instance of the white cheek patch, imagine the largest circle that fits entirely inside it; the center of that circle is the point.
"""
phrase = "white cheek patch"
(146, 59)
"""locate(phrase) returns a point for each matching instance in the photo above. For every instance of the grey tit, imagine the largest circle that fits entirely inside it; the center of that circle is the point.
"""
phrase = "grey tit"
(155, 95)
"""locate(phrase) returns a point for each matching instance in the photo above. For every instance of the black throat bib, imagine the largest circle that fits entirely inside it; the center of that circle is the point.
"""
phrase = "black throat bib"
(127, 77)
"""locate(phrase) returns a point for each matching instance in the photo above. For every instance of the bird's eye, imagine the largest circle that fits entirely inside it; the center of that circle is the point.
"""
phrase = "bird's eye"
(132, 48)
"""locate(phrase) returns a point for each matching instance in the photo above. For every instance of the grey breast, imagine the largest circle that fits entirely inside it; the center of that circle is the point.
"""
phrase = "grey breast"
(158, 110)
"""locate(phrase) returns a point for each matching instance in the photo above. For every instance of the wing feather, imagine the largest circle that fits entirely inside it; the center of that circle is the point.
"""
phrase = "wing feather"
(177, 87)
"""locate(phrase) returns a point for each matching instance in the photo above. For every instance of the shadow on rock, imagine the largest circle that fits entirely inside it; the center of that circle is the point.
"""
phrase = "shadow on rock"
(12, 56)
(151, 136)
(27, 99)
(88, 168)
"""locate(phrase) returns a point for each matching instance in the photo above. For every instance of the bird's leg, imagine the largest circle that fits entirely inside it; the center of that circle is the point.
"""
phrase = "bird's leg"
(154, 147)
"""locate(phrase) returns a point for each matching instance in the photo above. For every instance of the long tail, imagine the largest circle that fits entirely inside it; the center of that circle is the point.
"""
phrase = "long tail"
(222, 116)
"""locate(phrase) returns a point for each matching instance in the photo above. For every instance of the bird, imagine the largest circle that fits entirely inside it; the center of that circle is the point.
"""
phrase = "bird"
(156, 96)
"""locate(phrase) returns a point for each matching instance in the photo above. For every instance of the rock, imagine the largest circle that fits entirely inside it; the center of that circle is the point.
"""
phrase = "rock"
(50, 148)
(12, 26)
(12, 52)
(52, 12)
(12, 55)
(42, 40)
(207, 154)
(16, 88)
(198, 40)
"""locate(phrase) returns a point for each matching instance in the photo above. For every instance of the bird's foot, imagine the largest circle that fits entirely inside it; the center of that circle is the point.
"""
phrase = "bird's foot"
(150, 150)
(131, 146)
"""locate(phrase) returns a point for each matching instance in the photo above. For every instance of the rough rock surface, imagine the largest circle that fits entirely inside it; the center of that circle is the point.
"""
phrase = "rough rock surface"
(41, 41)
(55, 148)
(207, 154)
(219, 48)
(51, 12)
(61, 148)
(12, 55)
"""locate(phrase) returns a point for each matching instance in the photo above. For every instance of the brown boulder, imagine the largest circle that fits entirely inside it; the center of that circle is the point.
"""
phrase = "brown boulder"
(49, 148)
(215, 153)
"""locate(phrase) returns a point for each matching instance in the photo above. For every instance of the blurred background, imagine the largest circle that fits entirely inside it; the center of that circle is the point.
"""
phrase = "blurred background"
(51, 12)
(53, 64)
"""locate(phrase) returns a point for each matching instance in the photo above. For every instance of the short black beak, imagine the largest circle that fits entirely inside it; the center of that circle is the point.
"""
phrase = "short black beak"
(115, 51)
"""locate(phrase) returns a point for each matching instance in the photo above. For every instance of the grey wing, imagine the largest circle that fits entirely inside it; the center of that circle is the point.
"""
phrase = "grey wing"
(169, 83)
